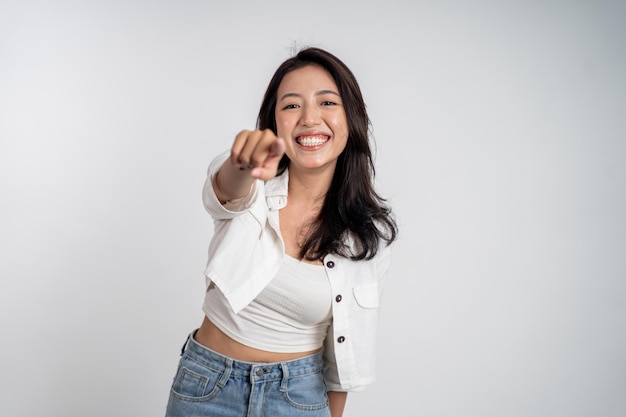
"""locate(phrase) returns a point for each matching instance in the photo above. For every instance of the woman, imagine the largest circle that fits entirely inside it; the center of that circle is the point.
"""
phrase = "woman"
(298, 256)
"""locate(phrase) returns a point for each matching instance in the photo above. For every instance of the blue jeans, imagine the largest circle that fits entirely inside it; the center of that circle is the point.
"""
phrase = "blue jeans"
(208, 384)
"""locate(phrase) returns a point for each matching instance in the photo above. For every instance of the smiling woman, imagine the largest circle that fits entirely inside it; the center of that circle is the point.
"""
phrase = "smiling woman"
(298, 257)
(311, 119)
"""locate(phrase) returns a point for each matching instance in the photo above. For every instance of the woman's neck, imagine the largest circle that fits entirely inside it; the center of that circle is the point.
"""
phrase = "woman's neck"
(309, 187)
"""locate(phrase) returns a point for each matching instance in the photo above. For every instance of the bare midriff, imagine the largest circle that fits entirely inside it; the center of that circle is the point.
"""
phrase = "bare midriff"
(212, 337)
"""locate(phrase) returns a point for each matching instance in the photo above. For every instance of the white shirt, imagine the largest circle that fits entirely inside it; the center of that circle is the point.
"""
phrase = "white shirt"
(247, 250)
(291, 314)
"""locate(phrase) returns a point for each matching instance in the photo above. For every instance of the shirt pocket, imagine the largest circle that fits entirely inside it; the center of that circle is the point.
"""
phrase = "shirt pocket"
(367, 296)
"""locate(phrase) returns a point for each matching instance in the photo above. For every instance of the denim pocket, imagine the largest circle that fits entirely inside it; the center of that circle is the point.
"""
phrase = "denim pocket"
(307, 392)
(194, 382)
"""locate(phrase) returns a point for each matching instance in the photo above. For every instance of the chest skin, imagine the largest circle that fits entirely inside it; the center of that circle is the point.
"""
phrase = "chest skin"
(294, 222)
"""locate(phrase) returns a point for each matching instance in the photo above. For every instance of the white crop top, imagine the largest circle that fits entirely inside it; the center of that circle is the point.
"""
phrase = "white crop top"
(291, 314)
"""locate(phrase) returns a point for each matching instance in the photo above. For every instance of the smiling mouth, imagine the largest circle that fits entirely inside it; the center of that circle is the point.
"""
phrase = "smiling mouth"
(312, 140)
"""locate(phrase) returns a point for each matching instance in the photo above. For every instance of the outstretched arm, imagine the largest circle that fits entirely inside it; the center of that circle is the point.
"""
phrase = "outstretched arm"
(254, 155)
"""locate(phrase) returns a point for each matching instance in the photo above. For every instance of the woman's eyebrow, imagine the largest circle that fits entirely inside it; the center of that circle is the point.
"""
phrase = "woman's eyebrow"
(319, 93)
(322, 92)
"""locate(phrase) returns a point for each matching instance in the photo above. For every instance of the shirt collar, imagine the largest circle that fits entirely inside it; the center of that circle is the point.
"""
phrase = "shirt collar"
(276, 191)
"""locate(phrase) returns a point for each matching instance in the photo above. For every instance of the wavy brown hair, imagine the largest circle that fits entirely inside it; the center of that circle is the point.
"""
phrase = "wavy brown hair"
(352, 207)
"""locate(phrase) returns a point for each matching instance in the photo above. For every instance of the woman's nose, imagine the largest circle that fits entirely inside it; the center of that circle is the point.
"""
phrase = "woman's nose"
(311, 116)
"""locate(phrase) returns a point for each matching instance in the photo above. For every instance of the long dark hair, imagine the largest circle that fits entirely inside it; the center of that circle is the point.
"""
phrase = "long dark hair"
(352, 209)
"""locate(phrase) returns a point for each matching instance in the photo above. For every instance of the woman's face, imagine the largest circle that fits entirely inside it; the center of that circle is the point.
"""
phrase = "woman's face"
(310, 118)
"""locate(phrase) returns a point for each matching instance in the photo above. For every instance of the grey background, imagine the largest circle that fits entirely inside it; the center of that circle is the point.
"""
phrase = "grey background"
(500, 144)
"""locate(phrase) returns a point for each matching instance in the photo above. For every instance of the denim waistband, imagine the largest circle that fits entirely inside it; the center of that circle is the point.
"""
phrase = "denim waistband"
(257, 370)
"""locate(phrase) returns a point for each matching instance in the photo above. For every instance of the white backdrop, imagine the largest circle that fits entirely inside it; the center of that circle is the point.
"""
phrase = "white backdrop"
(500, 144)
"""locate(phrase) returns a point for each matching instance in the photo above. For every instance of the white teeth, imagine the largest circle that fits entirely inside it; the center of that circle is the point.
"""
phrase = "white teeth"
(312, 140)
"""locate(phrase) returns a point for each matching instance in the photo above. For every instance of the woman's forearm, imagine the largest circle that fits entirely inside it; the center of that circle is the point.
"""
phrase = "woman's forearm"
(337, 402)
(231, 183)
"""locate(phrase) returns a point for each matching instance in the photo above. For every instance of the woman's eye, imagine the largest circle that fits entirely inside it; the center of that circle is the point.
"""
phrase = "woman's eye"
(290, 106)
(328, 103)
